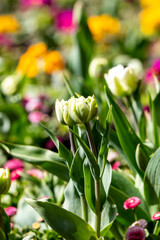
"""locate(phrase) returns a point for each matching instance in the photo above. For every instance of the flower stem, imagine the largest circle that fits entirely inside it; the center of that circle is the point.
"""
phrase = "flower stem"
(71, 138)
(98, 210)
(156, 228)
(135, 215)
(84, 208)
(1, 218)
(130, 104)
(96, 182)
(90, 139)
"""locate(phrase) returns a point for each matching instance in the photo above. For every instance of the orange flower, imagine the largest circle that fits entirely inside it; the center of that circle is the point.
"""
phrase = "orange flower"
(36, 225)
(52, 62)
(103, 25)
(150, 20)
(37, 49)
(28, 65)
(8, 24)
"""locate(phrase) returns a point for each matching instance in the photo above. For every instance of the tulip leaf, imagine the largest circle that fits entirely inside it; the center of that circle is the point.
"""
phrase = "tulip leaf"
(76, 172)
(89, 187)
(29, 237)
(108, 216)
(127, 137)
(154, 120)
(62, 150)
(65, 223)
(48, 160)
(89, 154)
(152, 180)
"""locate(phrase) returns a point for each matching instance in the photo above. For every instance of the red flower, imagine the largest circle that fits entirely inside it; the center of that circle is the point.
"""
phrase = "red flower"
(156, 216)
(15, 174)
(131, 203)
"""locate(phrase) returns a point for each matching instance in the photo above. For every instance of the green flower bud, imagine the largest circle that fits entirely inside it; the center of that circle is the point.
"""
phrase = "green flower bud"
(82, 109)
(97, 67)
(63, 113)
(122, 81)
(5, 180)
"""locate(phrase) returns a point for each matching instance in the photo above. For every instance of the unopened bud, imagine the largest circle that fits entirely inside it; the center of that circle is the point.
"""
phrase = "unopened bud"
(122, 81)
(5, 180)
(98, 67)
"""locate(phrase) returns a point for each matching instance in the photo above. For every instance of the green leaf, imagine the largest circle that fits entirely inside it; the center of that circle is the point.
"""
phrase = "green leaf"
(69, 87)
(152, 180)
(108, 216)
(125, 134)
(89, 154)
(65, 223)
(107, 177)
(72, 201)
(156, 106)
(89, 187)
(154, 121)
(76, 172)
(62, 150)
(48, 160)
(102, 155)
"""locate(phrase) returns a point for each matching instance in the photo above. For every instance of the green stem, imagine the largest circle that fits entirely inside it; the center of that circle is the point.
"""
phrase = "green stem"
(90, 139)
(1, 218)
(71, 138)
(98, 207)
(130, 104)
(84, 208)
(156, 228)
(97, 183)
(135, 215)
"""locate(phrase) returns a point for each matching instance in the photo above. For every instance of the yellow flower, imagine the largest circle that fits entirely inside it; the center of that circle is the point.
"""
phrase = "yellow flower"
(52, 62)
(27, 65)
(145, 3)
(8, 24)
(103, 25)
(37, 50)
(37, 58)
(150, 19)
(36, 225)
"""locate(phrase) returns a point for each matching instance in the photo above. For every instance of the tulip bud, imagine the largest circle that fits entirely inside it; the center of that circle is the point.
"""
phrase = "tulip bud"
(97, 67)
(10, 84)
(122, 81)
(82, 109)
(5, 180)
(76, 110)
(63, 113)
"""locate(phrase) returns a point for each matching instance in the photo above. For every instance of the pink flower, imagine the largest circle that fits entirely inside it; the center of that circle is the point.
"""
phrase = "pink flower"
(156, 216)
(148, 78)
(35, 173)
(34, 3)
(116, 165)
(11, 211)
(153, 70)
(49, 144)
(15, 174)
(135, 233)
(35, 117)
(64, 21)
(131, 203)
(6, 40)
(44, 198)
(11, 225)
(14, 163)
(33, 104)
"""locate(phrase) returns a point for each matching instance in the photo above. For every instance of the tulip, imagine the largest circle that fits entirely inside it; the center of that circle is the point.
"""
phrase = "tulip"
(5, 180)
(76, 110)
(122, 81)
(97, 67)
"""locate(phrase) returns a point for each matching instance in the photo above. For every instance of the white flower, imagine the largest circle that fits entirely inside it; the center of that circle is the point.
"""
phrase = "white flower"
(122, 81)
